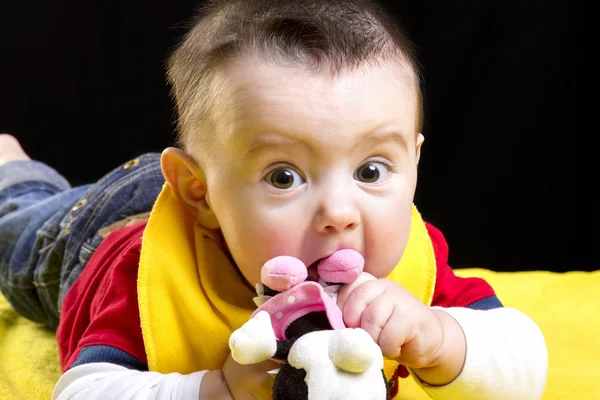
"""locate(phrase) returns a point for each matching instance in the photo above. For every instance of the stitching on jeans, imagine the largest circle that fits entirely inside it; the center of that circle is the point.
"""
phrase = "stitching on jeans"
(109, 195)
(44, 284)
(104, 196)
(46, 247)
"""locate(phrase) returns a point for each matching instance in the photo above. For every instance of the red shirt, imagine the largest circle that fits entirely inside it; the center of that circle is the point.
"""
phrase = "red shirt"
(101, 308)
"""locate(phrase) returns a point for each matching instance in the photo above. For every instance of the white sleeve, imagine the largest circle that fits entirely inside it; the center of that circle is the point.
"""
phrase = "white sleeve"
(506, 357)
(105, 381)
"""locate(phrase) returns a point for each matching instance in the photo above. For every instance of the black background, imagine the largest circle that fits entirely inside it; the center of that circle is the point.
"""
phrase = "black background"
(508, 167)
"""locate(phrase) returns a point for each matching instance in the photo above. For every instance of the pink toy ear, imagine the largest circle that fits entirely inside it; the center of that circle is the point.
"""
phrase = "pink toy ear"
(283, 272)
(343, 266)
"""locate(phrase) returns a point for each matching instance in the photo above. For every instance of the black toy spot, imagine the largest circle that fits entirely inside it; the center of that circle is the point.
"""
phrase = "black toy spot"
(290, 384)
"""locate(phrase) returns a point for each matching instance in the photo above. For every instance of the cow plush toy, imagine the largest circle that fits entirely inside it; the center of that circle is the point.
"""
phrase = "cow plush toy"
(299, 324)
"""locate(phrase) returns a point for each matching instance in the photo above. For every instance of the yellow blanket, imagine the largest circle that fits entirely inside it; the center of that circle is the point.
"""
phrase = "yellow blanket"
(565, 306)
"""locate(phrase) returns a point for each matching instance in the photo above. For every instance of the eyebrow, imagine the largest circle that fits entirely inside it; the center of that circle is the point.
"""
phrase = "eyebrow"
(268, 140)
(387, 136)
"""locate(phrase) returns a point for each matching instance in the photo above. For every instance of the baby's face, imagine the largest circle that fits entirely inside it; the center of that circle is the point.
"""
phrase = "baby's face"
(304, 165)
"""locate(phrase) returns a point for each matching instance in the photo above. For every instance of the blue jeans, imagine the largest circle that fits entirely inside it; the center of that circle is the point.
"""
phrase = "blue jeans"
(49, 230)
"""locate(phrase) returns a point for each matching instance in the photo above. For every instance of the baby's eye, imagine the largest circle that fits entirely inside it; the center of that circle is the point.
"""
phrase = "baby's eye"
(284, 178)
(371, 172)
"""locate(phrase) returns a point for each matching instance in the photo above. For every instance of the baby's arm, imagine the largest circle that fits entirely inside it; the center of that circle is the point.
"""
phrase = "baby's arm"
(455, 353)
(108, 381)
(506, 357)
(467, 344)
(101, 343)
(100, 337)
(103, 372)
(96, 381)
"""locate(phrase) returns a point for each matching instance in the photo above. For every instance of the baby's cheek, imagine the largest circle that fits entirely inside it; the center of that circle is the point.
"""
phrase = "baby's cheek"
(391, 254)
(385, 246)
(250, 272)
(379, 268)
(256, 250)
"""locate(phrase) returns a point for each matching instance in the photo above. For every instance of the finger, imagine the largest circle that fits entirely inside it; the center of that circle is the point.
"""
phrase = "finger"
(393, 335)
(348, 288)
(358, 300)
(376, 316)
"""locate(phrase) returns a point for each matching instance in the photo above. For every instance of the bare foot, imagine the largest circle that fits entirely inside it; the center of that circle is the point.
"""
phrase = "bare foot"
(10, 149)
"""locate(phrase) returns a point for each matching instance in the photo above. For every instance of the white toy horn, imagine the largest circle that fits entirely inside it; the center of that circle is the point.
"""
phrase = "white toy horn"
(352, 350)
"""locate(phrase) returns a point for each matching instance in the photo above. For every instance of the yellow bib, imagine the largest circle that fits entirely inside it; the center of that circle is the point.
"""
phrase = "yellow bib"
(191, 297)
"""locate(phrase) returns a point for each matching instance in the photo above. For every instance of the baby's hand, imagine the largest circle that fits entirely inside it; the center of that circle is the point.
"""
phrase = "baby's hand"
(246, 382)
(404, 328)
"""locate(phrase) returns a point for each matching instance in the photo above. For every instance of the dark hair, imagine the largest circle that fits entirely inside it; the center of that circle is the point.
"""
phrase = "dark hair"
(323, 36)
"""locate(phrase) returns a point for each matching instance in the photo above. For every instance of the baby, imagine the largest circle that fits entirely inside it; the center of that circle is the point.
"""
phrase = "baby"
(299, 126)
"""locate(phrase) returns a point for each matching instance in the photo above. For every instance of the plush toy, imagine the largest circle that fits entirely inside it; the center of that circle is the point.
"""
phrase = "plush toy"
(299, 324)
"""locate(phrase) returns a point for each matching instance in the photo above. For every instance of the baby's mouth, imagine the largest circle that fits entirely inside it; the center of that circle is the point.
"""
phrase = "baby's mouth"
(313, 273)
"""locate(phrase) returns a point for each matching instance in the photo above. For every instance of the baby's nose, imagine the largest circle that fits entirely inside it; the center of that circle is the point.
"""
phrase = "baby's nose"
(283, 272)
(339, 219)
(337, 212)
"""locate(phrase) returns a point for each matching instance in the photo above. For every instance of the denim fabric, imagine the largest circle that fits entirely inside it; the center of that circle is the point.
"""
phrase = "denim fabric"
(49, 230)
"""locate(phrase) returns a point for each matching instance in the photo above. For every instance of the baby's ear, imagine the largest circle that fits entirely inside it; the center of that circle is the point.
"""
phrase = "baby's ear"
(186, 178)
(420, 140)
